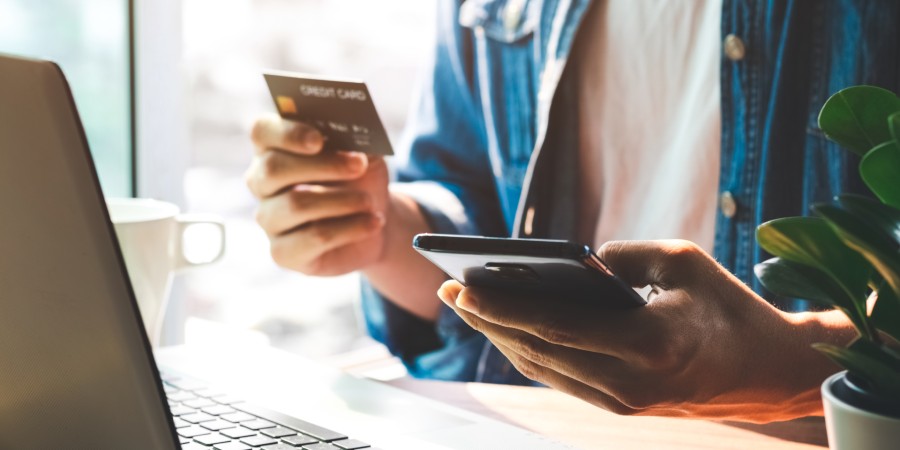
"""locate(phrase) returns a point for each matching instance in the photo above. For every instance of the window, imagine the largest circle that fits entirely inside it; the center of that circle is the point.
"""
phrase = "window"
(227, 45)
(89, 39)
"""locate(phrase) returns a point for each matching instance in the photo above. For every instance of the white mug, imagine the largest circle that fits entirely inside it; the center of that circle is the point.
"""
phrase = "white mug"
(151, 234)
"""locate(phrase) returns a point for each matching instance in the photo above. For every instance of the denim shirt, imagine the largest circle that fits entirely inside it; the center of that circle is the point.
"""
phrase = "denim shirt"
(493, 150)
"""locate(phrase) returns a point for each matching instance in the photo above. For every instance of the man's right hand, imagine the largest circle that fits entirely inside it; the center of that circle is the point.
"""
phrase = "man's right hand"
(324, 212)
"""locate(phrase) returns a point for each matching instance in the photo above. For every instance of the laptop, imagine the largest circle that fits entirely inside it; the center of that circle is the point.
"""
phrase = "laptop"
(76, 369)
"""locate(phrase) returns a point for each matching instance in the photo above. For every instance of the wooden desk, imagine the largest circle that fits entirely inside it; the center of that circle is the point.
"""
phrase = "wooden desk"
(572, 421)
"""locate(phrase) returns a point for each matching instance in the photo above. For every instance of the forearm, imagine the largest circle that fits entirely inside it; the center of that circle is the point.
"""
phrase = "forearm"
(401, 274)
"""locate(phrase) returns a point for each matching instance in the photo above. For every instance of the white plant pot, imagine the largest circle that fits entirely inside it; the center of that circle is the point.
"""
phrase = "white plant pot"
(852, 428)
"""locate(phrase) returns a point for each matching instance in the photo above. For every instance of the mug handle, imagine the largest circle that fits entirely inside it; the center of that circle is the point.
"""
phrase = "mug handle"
(184, 221)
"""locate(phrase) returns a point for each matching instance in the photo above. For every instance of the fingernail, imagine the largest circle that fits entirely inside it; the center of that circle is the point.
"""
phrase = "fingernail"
(357, 161)
(443, 296)
(380, 219)
(468, 303)
(313, 140)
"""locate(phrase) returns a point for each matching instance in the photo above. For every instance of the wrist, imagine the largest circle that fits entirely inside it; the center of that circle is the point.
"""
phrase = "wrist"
(402, 222)
(831, 327)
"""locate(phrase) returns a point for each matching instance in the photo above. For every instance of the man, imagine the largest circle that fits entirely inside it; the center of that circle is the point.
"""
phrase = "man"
(610, 121)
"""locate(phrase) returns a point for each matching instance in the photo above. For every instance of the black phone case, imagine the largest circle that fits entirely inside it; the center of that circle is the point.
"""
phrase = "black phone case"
(539, 267)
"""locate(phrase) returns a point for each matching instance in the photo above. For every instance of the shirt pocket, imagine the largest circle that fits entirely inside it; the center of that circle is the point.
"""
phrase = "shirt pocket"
(506, 21)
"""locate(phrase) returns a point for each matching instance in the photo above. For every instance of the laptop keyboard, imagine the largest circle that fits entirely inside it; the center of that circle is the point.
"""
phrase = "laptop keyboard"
(208, 419)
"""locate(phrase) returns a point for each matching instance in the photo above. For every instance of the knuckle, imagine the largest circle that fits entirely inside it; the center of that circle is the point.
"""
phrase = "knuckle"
(361, 200)
(555, 331)
(638, 399)
(664, 356)
(271, 164)
(260, 217)
(476, 324)
(297, 133)
(258, 132)
(532, 350)
(301, 201)
(528, 369)
(252, 178)
(680, 251)
(320, 235)
(609, 250)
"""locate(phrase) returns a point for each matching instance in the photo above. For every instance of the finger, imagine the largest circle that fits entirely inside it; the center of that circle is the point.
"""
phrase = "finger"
(594, 369)
(274, 170)
(306, 203)
(599, 397)
(294, 137)
(565, 384)
(301, 249)
(449, 291)
(563, 322)
(642, 263)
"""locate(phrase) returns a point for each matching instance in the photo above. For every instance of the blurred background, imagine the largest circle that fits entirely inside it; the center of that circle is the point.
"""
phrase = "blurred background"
(168, 91)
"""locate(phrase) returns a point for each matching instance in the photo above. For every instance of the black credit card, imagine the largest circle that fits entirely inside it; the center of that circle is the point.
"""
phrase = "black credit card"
(342, 110)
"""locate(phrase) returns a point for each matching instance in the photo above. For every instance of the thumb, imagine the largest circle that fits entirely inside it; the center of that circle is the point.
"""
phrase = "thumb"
(642, 263)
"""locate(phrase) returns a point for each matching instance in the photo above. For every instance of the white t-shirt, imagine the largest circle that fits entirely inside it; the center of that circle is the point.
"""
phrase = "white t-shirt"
(650, 122)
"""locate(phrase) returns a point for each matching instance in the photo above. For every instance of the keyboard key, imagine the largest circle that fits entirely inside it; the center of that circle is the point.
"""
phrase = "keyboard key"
(183, 440)
(300, 439)
(180, 396)
(198, 417)
(193, 446)
(320, 433)
(231, 446)
(278, 432)
(180, 423)
(212, 439)
(199, 403)
(228, 399)
(218, 410)
(186, 385)
(239, 432)
(218, 425)
(350, 444)
(279, 447)
(181, 410)
(209, 393)
(258, 441)
(320, 446)
(258, 424)
(237, 417)
(192, 431)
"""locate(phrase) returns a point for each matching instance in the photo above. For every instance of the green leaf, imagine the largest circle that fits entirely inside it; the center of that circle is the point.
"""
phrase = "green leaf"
(885, 218)
(866, 238)
(810, 241)
(868, 361)
(886, 314)
(880, 169)
(894, 125)
(790, 279)
(857, 117)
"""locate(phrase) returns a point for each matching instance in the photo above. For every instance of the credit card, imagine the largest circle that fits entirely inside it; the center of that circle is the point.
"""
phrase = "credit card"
(341, 110)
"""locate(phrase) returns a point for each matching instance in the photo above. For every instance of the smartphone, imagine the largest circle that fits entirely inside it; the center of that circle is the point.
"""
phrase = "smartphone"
(560, 269)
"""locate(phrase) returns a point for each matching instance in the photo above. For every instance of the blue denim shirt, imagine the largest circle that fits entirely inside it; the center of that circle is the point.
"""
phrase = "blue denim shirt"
(493, 150)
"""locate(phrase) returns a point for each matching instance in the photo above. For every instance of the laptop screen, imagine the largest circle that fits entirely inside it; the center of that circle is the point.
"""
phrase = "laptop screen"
(75, 366)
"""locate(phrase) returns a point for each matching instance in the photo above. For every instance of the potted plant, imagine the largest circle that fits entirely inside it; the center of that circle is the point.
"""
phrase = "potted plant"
(847, 256)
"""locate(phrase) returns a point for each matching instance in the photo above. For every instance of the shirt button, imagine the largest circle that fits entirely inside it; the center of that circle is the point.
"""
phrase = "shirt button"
(727, 204)
(734, 48)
